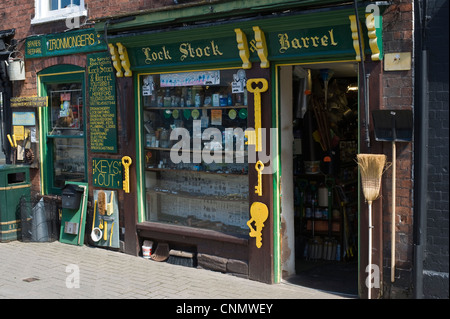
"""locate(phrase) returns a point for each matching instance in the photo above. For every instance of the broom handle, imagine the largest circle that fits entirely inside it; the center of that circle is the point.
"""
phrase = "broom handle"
(394, 158)
(370, 252)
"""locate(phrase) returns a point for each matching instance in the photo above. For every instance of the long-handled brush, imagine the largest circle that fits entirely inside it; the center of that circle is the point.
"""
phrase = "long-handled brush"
(371, 167)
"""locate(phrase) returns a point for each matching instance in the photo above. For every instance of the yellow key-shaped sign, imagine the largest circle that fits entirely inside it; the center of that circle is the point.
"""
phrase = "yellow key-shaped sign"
(126, 161)
(257, 97)
(259, 167)
(259, 213)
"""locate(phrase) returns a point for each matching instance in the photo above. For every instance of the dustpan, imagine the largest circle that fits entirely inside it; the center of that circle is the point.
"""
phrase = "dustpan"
(393, 126)
(161, 253)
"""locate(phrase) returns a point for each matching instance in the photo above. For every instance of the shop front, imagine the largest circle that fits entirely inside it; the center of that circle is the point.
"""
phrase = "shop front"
(246, 133)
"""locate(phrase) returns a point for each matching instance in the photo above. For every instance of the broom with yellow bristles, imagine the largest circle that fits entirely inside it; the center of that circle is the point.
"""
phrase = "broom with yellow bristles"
(371, 167)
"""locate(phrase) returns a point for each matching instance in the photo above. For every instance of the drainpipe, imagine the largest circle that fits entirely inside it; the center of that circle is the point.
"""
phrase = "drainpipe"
(420, 148)
(364, 77)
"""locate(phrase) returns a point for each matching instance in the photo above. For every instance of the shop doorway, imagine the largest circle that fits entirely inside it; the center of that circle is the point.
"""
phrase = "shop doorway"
(319, 206)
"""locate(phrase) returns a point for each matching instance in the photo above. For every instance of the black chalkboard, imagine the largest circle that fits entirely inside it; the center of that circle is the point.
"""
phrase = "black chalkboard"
(102, 101)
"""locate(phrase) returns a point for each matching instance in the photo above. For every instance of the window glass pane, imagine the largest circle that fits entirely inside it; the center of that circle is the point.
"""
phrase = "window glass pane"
(204, 184)
(66, 131)
(68, 161)
(65, 3)
(66, 105)
(53, 4)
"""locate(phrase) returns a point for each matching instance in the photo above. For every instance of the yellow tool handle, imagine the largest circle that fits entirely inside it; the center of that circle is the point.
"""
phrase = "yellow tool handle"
(105, 233)
(110, 235)
(10, 140)
(93, 219)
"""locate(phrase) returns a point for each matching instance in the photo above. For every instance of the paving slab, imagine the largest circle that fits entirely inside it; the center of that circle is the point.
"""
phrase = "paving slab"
(63, 271)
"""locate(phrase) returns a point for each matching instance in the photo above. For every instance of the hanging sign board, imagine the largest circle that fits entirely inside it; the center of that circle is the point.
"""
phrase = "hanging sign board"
(29, 101)
(86, 40)
(186, 52)
(102, 101)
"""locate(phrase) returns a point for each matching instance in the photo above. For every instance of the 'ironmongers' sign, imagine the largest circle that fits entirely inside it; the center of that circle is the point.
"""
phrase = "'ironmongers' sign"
(86, 40)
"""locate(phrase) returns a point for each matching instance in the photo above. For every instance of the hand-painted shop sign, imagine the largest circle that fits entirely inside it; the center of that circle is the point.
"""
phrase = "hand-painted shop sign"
(102, 103)
(107, 173)
(186, 52)
(324, 40)
(29, 101)
(86, 40)
(285, 44)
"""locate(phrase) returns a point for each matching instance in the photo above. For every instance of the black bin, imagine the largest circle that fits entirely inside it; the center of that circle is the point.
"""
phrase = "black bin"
(71, 196)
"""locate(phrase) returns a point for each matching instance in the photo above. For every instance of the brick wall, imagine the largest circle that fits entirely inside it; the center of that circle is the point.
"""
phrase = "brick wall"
(105, 8)
(398, 94)
(436, 264)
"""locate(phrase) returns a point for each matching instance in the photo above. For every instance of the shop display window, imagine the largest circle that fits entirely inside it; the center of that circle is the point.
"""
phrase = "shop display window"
(195, 157)
(68, 161)
(66, 134)
(66, 103)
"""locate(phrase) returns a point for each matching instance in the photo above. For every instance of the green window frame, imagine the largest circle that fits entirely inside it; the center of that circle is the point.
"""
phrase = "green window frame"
(59, 74)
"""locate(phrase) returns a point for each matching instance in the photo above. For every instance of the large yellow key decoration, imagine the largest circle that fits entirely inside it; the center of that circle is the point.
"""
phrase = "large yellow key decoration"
(259, 213)
(257, 96)
(126, 162)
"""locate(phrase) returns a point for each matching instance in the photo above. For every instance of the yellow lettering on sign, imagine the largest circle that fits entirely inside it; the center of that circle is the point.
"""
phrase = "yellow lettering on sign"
(105, 172)
(69, 42)
(152, 56)
(188, 51)
(306, 42)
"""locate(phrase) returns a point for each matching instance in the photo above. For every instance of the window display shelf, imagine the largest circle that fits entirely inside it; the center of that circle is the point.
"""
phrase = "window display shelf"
(155, 169)
(209, 188)
(160, 108)
(229, 197)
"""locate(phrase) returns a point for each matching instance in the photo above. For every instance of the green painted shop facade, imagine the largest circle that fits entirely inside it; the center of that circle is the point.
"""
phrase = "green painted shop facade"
(144, 77)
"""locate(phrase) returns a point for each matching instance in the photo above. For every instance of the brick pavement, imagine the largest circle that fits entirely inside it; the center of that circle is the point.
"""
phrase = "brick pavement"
(47, 270)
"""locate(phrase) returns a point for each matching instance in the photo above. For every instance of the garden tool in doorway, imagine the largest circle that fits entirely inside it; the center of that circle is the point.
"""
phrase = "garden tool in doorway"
(348, 246)
(393, 126)
(372, 167)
